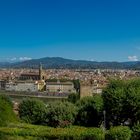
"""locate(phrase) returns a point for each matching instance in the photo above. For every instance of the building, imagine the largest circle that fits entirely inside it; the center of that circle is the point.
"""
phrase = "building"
(90, 89)
(35, 82)
(33, 76)
(60, 87)
(2, 84)
(29, 76)
(41, 85)
(86, 90)
(22, 86)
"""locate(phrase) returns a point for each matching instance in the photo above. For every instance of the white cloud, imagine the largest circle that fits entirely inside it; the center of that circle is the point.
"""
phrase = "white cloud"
(133, 58)
(92, 60)
(13, 59)
(24, 58)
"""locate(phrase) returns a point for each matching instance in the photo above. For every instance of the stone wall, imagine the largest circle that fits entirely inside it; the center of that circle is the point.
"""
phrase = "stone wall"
(86, 90)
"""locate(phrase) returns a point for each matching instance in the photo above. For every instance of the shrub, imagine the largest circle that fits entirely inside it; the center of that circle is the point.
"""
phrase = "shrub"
(7, 114)
(136, 132)
(6, 99)
(61, 114)
(32, 111)
(90, 111)
(119, 133)
(73, 98)
(47, 133)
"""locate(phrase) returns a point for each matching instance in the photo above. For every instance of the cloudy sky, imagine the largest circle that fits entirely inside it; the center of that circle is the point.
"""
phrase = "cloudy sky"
(100, 30)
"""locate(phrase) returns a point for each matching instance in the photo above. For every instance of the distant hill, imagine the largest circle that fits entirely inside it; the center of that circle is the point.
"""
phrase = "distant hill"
(58, 62)
(5, 64)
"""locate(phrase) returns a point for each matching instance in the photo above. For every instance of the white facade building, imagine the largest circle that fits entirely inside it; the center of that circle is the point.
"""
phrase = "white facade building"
(22, 86)
(60, 87)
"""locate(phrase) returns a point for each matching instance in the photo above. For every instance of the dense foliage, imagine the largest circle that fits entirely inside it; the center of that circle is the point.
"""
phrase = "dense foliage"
(119, 133)
(73, 98)
(136, 132)
(61, 114)
(121, 98)
(6, 111)
(90, 111)
(47, 133)
(77, 85)
(32, 111)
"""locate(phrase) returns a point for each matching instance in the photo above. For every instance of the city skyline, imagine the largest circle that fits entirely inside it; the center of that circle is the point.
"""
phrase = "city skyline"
(80, 30)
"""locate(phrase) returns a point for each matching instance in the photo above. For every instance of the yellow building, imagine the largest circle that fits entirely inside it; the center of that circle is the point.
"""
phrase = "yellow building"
(41, 85)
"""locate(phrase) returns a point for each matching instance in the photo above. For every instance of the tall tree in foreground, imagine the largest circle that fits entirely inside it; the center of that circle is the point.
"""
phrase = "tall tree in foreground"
(122, 102)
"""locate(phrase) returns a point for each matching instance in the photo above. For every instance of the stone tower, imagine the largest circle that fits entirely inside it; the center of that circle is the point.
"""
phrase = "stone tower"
(40, 72)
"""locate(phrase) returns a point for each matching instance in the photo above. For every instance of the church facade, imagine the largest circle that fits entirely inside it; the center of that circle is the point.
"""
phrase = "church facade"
(33, 76)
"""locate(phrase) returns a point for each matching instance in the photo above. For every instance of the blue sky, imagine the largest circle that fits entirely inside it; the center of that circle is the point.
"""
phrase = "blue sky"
(100, 30)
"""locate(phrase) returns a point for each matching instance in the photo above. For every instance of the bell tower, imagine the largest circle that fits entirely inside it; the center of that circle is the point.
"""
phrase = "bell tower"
(40, 72)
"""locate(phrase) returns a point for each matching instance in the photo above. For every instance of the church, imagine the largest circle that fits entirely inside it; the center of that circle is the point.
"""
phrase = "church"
(36, 81)
(33, 76)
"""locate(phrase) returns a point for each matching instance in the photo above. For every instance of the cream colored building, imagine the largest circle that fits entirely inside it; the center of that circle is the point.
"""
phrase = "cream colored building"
(90, 90)
(60, 87)
(22, 86)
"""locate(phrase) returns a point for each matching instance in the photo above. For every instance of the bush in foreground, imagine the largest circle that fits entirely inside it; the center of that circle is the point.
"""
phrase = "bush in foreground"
(32, 111)
(7, 114)
(61, 114)
(136, 132)
(119, 133)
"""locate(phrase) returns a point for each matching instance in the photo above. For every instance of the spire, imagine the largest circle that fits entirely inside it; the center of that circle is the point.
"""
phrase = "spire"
(40, 71)
(40, 66)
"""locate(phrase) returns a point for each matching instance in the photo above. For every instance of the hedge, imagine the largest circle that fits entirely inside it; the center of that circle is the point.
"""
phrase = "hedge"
(136, 132)
(48, 133)
(119, 133)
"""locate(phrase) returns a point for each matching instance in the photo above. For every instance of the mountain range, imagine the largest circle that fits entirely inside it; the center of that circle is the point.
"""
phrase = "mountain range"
(62, 63)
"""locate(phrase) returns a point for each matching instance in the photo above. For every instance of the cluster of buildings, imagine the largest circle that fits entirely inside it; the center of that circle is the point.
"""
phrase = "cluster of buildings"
(36, 82)
(33, 80)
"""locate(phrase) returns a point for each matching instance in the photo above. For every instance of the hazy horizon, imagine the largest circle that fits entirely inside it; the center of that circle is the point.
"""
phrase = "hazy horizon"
(22, 59)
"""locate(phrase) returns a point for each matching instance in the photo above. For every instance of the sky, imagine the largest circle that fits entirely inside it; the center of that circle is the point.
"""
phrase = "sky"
(97, 30)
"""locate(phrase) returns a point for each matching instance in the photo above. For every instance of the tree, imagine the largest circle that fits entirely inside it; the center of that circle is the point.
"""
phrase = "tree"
(120, 98)
(90, 111)
(132, 101)
(114, 97)
(32, 111)
(73, 98)
(77, 85)
(61, 114)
